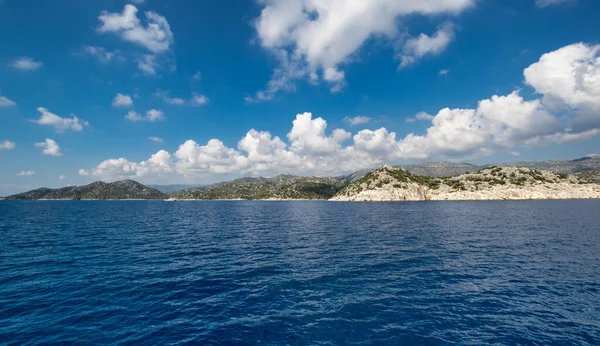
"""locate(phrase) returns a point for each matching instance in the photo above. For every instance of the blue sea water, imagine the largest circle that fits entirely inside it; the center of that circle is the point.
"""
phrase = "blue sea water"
(321, 273)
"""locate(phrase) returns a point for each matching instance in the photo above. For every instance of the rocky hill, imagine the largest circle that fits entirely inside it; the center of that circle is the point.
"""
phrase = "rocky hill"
(279, 187)
(125, 189)
(448, 169)
(441, 169)
(390, 183)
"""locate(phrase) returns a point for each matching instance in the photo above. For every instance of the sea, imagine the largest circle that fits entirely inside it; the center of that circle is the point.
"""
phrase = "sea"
(300, 273)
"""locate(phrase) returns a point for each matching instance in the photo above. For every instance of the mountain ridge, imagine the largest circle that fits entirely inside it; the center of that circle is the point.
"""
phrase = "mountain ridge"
(118, 190)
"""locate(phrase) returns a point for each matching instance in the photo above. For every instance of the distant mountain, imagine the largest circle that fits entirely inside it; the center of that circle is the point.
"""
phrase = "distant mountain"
(584, 164)
(174, 187)
(282, 186)
(125, 189)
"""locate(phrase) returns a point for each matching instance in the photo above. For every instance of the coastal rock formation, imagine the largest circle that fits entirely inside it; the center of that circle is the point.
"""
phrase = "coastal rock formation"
(494, 183)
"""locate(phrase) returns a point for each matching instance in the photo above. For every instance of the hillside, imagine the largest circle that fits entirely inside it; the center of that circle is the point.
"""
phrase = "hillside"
(125, 189)
(279, 187)
(449, 169)
(494, 183)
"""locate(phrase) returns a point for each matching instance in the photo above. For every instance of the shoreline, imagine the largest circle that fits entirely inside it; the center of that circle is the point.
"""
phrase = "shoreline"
(321, 200)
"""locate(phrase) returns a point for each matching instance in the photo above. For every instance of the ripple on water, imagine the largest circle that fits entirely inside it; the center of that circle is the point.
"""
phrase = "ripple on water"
(147, 272)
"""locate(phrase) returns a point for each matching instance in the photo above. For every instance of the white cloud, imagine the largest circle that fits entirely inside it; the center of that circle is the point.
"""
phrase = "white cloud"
(420, 116)
(515, 153)
(544, 3)
(444, 72)
(138, 2)
(6, 102)
(147, 64)
(156, 35)
(197, 75)
(122, 100)
(49, 147)
(570, 74)
(357, 120)
(423, 116)
(102, 54)
(569, 80)
(563, 137)
(151, 116)
(308, 136)
(26, 64)
(199, 100)
(26, 173)
(83, 172)
(155, 139)
(60, 124)
(62, 177)
(170, 100)
(313, 38)
(501, 122)
(418, 47)
(7, 145)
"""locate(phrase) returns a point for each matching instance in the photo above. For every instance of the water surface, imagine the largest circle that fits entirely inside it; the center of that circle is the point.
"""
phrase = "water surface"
(151, 272)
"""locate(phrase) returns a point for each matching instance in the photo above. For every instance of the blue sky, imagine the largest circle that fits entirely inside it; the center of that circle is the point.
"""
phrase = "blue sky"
(328, 87)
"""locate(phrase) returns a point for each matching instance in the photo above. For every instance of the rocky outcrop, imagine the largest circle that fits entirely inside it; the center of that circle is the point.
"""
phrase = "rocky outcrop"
(494, 183)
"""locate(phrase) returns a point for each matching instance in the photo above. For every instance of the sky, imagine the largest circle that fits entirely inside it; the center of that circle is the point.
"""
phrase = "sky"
(195, 92)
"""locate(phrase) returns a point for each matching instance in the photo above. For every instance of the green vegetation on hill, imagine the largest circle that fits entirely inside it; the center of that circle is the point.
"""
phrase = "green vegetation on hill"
(279, 187)
(125, 189)
(389, 178)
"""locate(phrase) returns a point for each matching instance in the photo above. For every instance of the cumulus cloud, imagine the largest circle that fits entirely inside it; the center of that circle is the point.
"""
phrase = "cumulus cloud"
(313, 38)
(357, 120)
(155, 35)
(418, 47)
(83, 172)
(570, 74)
(6, 102)
(60, 124)
(501, 122)
(7, 145)
(569, 79)
(62, 177)
(26, 64)
(122, 100)
(151, 116)
(308, 135)
(26, 173)
(49, 147)
(155, 139)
